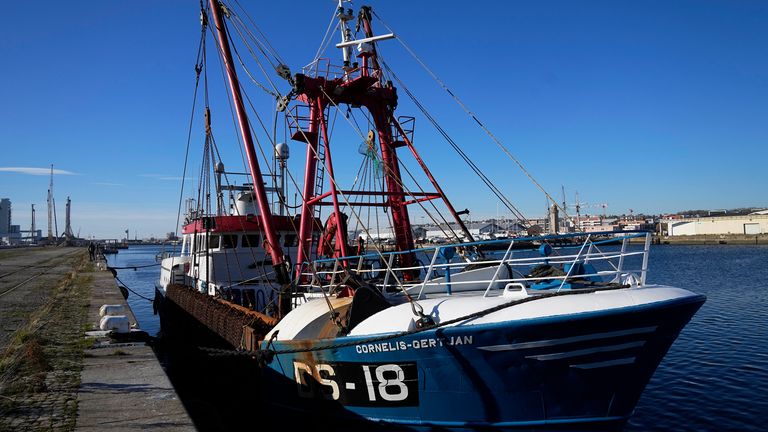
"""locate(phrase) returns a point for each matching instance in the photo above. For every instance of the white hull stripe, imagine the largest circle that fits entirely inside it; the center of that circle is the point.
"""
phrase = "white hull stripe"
(561, 341)
(607, 363)
(587, 351)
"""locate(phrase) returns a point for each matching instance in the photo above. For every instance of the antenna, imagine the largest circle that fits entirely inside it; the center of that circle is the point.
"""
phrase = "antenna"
(578, 211)
(32, 231)
(565, 205)
(565, 210)
(55, 218)
(604, 206)
(50, 208)
(346, 34)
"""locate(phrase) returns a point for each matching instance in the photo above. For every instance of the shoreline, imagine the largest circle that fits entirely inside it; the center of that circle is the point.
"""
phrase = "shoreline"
(712, 239)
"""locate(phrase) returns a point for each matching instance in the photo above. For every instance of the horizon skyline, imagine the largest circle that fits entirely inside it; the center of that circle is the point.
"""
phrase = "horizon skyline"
(657, 109)
(416, 221)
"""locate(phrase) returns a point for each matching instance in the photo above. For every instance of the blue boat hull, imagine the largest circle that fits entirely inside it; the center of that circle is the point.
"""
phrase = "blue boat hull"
(576, 372)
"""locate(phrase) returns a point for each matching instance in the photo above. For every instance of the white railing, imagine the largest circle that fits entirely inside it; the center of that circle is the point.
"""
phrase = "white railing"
(590, 267)
(323, 68)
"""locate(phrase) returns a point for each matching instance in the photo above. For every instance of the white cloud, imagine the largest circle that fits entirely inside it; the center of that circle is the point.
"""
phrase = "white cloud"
(35, 171)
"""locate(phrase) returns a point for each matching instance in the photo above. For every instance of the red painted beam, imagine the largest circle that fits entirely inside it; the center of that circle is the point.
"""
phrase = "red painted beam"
(273, 246)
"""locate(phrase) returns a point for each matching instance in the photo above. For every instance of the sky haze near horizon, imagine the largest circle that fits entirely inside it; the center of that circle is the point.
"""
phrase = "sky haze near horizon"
(657, 107)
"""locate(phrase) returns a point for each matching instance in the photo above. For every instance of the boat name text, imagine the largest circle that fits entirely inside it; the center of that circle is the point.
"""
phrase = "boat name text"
(414, 344)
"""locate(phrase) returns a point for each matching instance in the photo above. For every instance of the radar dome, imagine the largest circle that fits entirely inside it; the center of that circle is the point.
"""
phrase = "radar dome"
(281, 151)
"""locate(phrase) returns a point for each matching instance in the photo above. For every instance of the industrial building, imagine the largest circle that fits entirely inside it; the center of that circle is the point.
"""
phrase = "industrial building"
(13, 235)
(5, 217)
(751, 224)
(9, 234)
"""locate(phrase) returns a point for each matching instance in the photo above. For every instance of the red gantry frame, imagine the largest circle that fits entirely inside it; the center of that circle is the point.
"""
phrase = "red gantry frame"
(358, 87)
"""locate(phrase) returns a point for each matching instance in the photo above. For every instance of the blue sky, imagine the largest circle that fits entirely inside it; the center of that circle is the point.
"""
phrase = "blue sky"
(654, 106)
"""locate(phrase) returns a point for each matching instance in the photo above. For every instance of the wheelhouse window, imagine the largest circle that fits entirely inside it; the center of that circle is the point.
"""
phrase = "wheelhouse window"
(251, 240)
(213, 241)
(228, 241)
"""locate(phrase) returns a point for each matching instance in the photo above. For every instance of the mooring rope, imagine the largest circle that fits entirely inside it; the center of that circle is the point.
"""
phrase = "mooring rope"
(126, 287)
(134, 267)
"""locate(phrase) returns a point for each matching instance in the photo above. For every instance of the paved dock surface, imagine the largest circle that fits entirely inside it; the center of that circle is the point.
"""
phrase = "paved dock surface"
(41, 304)
(123, 387)
(52, 378)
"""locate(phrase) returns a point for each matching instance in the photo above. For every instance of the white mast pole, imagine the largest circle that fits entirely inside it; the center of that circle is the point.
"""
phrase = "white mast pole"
(346, 34)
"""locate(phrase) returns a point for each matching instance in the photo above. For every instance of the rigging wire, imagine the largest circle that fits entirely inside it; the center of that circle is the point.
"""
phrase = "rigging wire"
(198, 69)
(473, 116)
(323, 44)
(276, 93)
(492, 187)
(263, 272)
(272, 49)
(387, 174)
(291, 220)
(414, 305)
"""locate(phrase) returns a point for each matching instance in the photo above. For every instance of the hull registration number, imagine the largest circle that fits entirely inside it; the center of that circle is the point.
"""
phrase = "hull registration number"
(359, 384)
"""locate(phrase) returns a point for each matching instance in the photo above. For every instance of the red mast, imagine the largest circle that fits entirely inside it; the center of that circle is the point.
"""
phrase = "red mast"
(272, 244)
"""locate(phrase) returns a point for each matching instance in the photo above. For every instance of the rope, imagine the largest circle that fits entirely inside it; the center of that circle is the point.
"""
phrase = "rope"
(270, 353)
(135, 267)
(126, 287)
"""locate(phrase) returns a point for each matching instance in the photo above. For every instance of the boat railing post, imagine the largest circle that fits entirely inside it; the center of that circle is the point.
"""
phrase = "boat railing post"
(429, 270)
(498, 269)
(624, 241)
(646, 253)
(389, 270)
(333, 274)
(575, 260)
(360, 262)
(589, 252)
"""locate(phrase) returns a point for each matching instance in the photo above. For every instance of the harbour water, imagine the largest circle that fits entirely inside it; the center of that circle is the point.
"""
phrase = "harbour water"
(714, 377)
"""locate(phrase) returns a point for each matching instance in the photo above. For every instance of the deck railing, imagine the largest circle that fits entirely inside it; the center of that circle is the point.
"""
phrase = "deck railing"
(573, 260)
(323, 68)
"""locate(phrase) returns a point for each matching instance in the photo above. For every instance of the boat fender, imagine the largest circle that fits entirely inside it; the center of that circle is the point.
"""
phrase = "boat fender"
(111, 309)
(116, 323)
(366, 302)
(113, 271)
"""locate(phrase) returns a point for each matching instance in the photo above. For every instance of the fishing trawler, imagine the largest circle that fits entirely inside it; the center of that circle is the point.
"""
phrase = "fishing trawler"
(462, 335)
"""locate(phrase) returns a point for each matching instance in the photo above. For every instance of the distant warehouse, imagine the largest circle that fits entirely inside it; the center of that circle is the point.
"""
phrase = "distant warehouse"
(751, 224)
